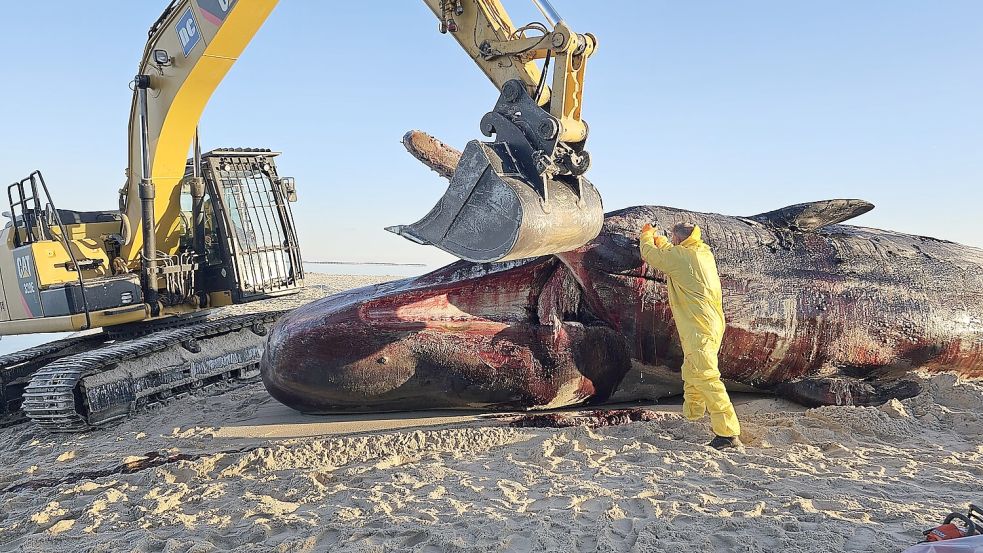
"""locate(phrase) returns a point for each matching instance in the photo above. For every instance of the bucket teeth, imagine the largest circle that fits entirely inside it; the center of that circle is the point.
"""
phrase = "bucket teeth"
(406, 232)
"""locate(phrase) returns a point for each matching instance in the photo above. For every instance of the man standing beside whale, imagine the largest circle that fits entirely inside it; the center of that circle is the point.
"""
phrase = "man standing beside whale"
(695, 301)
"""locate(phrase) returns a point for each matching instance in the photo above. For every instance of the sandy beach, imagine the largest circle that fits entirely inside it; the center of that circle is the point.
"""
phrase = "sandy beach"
(230, 469)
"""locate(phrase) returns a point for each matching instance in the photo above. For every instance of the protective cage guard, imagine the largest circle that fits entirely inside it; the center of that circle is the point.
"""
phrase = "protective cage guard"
(262, 241)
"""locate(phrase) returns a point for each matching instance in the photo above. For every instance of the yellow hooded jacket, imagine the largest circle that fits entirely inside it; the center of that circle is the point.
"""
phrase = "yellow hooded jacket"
(694, 286)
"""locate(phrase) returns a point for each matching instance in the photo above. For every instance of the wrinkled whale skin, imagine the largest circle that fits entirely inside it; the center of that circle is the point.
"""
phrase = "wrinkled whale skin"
(819, 312)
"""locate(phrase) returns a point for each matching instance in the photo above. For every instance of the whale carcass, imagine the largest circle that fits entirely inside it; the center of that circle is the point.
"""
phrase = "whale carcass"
(818, 312)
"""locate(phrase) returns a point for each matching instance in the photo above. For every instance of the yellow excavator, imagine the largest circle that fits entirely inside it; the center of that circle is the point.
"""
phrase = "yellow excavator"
(193, 236)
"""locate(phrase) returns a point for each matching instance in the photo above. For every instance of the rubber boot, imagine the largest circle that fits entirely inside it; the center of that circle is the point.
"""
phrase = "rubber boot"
(724, 442)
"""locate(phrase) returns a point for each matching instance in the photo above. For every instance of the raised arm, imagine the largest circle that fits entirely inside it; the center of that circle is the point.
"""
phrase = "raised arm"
(656, 250)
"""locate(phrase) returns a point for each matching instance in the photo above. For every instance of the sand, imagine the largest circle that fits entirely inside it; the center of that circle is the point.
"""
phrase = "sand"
(230, 469)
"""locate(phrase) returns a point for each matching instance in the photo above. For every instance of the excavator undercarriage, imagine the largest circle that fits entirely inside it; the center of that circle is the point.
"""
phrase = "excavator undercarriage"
(89, 381)
(96, 387)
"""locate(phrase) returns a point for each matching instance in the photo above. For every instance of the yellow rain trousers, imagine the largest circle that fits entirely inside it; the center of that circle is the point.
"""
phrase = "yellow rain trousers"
(694, 298)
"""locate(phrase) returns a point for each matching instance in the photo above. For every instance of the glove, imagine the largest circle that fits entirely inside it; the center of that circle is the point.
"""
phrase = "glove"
(647, 234)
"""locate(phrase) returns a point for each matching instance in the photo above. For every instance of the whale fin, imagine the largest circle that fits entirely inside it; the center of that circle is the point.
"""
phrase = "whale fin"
(842, 390)
(810, 216)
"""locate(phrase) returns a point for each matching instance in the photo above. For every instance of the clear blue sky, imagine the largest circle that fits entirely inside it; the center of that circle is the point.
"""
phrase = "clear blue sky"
(731, 107)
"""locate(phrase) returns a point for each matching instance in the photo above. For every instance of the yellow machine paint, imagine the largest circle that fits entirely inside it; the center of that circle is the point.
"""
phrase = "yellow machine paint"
(536, 167)
(504, 53)
(33, 267)
(182, 87)
(189, 51)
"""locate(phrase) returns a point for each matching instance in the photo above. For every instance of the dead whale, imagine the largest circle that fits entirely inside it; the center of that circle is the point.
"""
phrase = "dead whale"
(817, 311)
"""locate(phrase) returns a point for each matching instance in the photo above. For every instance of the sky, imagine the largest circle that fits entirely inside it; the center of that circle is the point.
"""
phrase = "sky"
(715, 106)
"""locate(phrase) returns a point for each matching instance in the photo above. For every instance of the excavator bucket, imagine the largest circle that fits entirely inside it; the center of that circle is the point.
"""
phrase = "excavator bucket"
(491, 213)
(523, 195)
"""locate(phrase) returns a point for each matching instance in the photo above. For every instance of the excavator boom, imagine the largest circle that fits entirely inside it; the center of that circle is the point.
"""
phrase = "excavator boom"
(521, 195)
(190, 49)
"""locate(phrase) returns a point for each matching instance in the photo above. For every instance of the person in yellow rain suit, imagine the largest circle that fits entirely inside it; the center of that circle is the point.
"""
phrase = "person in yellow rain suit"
(695, 301)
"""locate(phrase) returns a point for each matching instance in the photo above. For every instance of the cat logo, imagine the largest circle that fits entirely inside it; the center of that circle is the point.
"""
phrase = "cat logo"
(188, 32)
(24, 267)
(215, 11)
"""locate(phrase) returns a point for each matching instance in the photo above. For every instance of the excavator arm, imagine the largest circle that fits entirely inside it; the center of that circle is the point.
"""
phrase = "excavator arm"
(485, 31)
(533, 200)
(523, 194)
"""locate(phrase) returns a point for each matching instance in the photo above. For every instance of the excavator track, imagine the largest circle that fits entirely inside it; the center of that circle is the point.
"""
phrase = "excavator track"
(92, 389)
(17, 368)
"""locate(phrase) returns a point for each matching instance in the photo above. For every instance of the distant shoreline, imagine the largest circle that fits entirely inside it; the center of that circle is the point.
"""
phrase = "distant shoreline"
(366, 263)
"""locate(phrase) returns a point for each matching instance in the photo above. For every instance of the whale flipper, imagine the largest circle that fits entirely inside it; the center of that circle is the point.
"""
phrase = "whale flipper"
(810, 216)
(845, 390)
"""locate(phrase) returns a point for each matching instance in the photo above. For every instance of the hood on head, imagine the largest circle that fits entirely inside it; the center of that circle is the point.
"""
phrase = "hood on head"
(695, 238)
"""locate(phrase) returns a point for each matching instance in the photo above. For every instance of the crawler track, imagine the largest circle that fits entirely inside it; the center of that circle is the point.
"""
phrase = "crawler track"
(17, 368)
(93, 388)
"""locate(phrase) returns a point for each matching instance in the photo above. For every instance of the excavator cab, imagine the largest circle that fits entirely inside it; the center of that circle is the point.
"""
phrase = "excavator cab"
(248, 248)
(523, 194)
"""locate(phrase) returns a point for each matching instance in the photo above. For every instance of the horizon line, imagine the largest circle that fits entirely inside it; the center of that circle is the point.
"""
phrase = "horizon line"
(365, 263)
